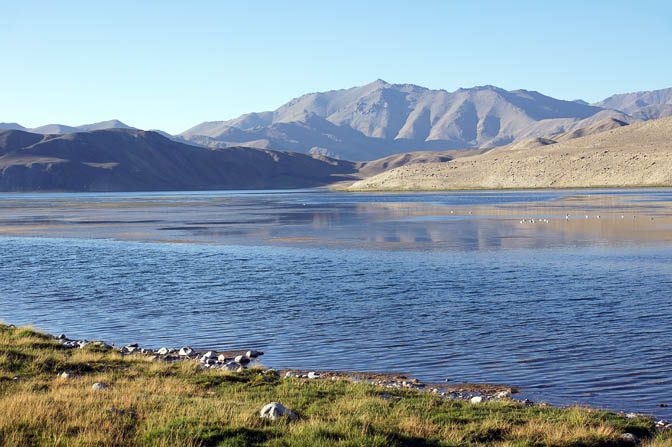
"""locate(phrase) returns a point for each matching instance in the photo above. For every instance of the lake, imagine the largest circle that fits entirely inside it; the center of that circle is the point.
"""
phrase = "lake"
(565, 294)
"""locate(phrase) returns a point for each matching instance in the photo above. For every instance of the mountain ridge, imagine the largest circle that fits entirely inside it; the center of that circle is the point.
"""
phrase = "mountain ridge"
(408, 117)
(381, 119)
(135, 160)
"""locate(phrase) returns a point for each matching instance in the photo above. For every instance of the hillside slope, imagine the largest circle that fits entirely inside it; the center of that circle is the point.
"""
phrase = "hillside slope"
(380, 119)
(133, 160)
(638, 154)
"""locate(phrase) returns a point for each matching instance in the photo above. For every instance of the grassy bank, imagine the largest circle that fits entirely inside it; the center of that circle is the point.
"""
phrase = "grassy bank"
(158, 403)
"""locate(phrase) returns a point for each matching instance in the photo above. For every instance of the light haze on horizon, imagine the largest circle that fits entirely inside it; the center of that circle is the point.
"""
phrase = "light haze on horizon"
(171, 65)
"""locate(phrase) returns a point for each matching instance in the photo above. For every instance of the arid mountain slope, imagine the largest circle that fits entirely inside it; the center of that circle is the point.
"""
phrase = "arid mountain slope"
(380, 119)
(133, 160)
(638, 154)
(632, 103)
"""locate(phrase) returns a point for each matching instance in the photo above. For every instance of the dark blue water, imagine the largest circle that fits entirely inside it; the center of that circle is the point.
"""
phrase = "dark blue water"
(583, 320)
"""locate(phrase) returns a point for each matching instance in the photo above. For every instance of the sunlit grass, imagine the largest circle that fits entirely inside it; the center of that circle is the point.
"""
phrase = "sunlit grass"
(155, 403)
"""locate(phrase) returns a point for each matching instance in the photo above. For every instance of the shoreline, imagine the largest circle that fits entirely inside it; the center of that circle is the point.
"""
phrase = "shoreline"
(239, 360)
(56, 391)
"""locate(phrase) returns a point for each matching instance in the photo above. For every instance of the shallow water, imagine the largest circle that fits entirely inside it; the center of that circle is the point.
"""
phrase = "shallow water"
(444, 285)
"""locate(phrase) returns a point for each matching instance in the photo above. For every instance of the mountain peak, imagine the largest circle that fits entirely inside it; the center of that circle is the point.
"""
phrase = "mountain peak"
(380, 83)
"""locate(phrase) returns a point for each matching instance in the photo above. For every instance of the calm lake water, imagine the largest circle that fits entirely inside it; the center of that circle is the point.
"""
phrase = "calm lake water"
(571, 308)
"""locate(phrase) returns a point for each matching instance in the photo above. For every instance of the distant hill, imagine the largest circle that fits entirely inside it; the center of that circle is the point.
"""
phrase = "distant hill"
(11, 126)
(60, 129)
(134, 160)
(381, 119)
(609, 154)
(633, 103)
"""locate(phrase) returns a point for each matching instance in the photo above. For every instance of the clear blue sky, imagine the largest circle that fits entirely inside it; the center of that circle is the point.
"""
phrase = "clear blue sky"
(172, 64)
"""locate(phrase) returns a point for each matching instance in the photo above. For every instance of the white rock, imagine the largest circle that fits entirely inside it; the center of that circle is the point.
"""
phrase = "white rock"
(99, 386)
(162, 351)
(631, 415)
(210, 354)
(221, 358)
(253, 354)
(242, 359)
(476, 400)
(313, 375)
(186, 351)
(83, 343)
(276, 410)
(289, 374)
(65, 375)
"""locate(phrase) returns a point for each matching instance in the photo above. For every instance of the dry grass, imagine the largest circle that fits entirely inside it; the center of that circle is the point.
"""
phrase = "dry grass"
(162, 404)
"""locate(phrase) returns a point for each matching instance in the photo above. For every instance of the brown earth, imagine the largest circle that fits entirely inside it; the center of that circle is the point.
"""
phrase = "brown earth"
(635, 155)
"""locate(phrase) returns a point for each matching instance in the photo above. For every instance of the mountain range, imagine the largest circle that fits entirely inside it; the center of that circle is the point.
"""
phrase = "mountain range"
(381, 119)
(136, 160)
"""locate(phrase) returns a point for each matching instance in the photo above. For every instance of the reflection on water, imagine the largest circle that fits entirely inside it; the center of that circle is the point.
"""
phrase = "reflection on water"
(573, 309)
(448, 221)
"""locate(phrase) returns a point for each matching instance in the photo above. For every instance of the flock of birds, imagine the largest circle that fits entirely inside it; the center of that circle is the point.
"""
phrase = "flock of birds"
(567, 217)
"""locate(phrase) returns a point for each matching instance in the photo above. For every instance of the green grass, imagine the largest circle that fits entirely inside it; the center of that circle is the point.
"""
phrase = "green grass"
(177, 404)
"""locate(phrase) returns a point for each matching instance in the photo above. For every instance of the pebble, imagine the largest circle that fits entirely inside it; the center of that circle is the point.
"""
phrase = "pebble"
(503, 395)
(15, 379)
(163, 351)
(476, 400)
(100, 386)
(242, 359)
(65, 375)
(313, 375)
(276, 410)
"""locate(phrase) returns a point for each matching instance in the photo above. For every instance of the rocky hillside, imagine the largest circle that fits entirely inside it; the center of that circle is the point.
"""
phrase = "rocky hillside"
(381, 119)
(637, 154)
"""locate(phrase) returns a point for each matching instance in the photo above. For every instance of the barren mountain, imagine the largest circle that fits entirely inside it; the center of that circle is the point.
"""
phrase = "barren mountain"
(637, 154)
(11, 126)
(632, 103)
(61, 129)
(133, 160)
(380, 119)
